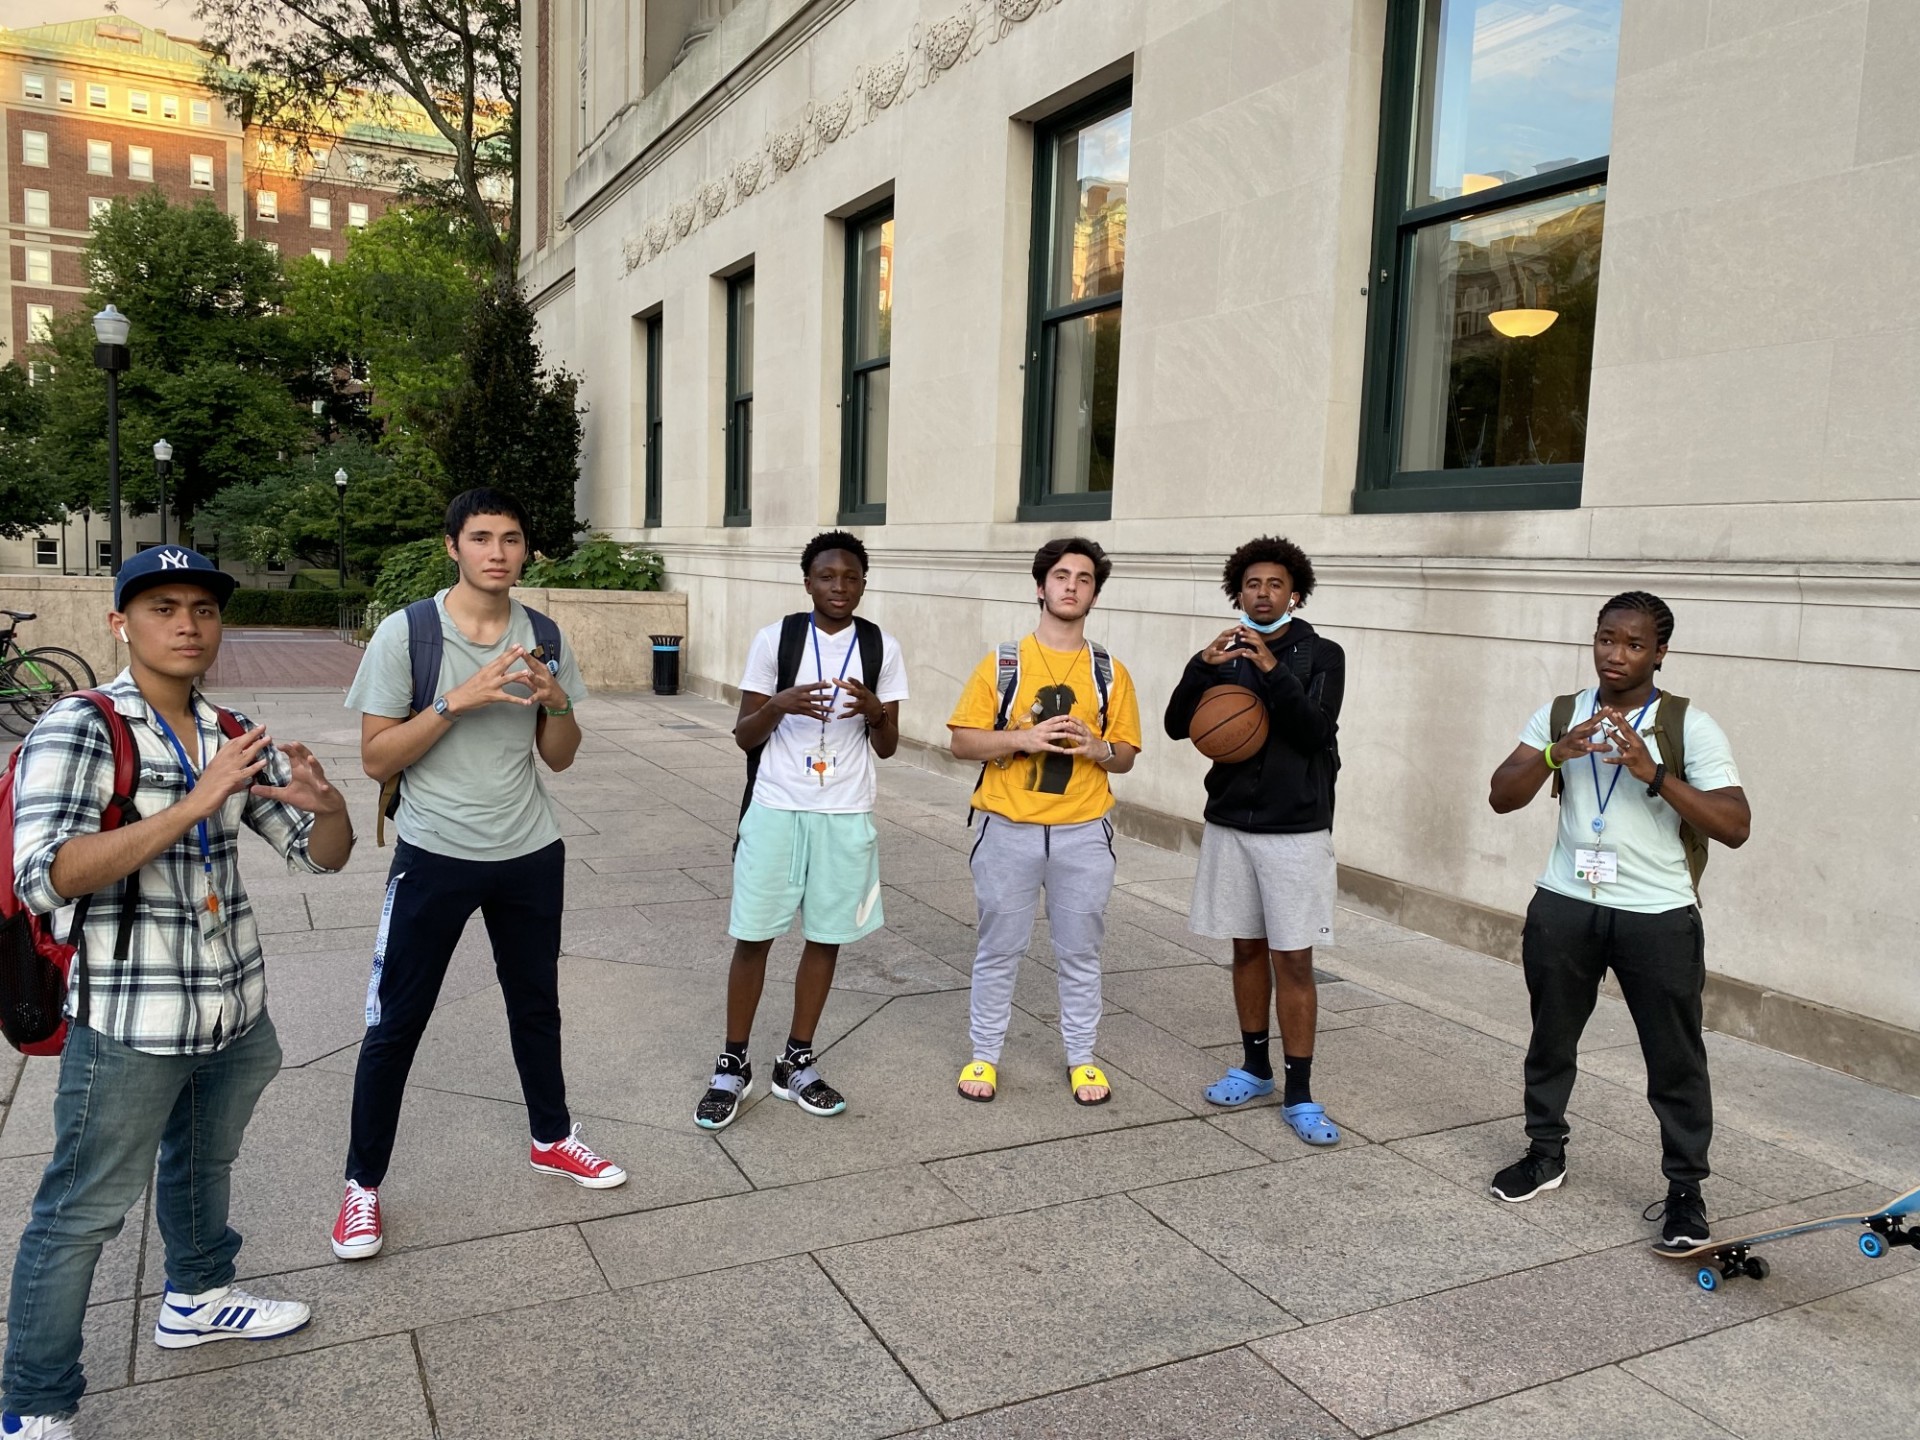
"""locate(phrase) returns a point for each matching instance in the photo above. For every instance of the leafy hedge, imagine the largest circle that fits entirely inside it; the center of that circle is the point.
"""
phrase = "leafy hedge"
(410, 572)
(598, 564)
(315, 609)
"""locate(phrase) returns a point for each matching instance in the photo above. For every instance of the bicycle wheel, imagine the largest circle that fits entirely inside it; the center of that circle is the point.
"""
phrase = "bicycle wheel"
(73, 664)
(28, 685)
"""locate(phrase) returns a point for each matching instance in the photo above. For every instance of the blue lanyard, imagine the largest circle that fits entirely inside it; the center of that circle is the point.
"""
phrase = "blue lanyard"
(819, 667)
(1600, 820)
(186, 766)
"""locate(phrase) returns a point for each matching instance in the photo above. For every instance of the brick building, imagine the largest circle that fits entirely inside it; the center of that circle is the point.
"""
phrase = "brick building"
(94, 110)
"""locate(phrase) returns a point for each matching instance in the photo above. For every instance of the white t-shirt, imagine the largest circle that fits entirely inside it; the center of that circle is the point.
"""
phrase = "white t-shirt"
(802, 769)
(1642, 829)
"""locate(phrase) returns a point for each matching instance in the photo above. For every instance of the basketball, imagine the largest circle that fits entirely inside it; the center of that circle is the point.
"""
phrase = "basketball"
(1229, 724)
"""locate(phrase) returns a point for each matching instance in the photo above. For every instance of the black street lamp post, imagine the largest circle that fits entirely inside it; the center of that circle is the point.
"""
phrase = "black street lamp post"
(340, 488)
(110, 330)
(162, 467)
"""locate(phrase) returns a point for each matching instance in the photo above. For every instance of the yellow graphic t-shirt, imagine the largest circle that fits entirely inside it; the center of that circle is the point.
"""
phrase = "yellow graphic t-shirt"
(1048, 789)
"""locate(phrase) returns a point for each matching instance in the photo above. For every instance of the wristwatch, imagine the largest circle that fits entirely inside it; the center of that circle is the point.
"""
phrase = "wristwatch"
(440, 709)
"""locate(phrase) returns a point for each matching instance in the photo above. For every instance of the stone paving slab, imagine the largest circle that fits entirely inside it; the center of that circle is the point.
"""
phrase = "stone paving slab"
(770, 1224)
(1606, 1402)
(1840, 1366)
(999, 1310)
(1252, 1222)
(655, 1361)
(1229, 1395)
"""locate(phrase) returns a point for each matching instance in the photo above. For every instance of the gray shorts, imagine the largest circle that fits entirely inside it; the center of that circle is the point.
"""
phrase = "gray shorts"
(1279, 886)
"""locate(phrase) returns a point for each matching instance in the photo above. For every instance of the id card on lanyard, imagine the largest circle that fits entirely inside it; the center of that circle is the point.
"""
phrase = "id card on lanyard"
(1600, 865)
(211, 917)
(823, 760)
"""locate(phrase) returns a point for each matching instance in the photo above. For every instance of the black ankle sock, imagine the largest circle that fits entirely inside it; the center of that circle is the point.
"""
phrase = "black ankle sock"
(1257, 1062)
(797, 1048)
(738, 1050)
(1299, 1080)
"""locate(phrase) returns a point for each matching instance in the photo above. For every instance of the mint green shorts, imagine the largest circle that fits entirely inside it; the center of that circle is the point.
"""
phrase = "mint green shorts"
(825, 868)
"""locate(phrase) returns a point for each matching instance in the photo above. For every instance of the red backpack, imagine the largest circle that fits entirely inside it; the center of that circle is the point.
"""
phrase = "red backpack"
(35, 964)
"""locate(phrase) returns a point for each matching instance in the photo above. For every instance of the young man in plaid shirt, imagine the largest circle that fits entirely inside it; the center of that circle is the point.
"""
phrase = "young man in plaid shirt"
(170, 1044)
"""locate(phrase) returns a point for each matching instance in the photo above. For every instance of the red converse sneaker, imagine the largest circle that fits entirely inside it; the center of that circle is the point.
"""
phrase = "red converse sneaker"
(357, 1233)
(571, 1158)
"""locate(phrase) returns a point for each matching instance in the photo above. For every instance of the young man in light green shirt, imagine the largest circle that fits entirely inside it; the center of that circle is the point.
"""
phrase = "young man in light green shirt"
(476, 832)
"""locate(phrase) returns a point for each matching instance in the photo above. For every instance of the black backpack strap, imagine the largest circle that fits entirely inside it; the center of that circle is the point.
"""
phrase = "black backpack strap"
(786, 666)
(120, 811)
(866, 635)
(425, 642)
(1102, 679)
(1559, 721)
(1006, 681)
(546, 640)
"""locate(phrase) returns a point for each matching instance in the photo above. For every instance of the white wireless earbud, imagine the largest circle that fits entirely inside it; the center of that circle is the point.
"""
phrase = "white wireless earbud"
(121, 636)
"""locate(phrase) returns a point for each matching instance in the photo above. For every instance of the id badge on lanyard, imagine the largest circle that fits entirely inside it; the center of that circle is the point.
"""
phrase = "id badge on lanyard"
(1600, 865)
(209, 913)
(822, 759)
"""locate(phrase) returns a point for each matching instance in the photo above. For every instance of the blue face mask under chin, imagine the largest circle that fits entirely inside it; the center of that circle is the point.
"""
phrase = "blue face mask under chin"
(1253, 624)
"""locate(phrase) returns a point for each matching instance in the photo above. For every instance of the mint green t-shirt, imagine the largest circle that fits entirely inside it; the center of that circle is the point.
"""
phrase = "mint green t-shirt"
(476, 795)
(1642, 830)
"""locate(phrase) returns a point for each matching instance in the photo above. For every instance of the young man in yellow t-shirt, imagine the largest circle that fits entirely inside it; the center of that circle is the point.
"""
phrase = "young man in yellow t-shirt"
(1049, 720)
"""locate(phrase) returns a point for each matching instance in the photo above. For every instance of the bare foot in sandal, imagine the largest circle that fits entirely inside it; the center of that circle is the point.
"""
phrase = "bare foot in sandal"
(979, 1080)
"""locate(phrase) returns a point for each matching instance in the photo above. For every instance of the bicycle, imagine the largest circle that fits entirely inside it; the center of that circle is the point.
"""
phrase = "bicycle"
(31, 680)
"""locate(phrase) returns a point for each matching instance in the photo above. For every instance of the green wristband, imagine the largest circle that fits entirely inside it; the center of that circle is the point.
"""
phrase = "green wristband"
(558, 714)
(1546, 754)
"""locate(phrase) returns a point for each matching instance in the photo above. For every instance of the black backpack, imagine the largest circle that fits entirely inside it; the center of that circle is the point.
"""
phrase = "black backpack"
(1670, 742)
(793, 646)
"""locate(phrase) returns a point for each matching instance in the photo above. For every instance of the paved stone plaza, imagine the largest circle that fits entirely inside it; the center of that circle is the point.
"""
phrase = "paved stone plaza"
(1150, 1267)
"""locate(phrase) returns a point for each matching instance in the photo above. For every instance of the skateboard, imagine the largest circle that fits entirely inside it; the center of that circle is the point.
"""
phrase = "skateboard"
(1724, 1259)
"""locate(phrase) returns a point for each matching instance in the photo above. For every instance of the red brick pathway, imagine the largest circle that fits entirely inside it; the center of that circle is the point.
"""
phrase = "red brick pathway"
(282, 660)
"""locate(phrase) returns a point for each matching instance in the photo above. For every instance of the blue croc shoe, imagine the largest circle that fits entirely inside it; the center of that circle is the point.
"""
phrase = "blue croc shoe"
(1237, 1087)
(1310, 1123)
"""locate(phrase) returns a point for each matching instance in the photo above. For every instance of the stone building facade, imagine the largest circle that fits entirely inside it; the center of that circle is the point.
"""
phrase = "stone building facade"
(1496, 308)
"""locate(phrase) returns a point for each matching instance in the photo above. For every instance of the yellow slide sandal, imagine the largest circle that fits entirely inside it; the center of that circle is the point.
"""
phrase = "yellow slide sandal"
(1082, 1076)
(980, 1072)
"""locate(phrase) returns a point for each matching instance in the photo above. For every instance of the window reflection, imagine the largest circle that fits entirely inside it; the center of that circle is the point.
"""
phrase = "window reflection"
(876, 291)
(1090, 209)
(1512, 89)
(1500, 336)
(1086, 376)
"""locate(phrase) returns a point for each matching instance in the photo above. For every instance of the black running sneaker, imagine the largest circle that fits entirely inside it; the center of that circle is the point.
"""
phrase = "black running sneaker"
(731, 1084)
(796, 1079)
(1528, 1176)
(1686, 1218)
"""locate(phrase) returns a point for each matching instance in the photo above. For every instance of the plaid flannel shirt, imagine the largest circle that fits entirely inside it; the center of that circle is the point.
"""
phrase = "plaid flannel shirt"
(177, 993)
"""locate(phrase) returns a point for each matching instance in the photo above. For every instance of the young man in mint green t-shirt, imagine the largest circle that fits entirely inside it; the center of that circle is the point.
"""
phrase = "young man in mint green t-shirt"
(1618, 894)
(476, 832)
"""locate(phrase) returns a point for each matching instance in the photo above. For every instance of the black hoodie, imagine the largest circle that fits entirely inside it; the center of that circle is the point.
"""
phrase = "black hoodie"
(1288, 787)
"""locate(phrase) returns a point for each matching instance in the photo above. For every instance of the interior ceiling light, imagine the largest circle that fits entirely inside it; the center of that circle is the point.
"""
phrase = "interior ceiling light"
(1521, 324)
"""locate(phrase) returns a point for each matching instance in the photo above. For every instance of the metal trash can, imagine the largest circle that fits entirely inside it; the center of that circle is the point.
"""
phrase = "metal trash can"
(666, 664)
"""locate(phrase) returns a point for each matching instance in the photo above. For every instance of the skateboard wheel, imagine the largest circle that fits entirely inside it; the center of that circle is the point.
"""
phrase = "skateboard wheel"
(1872, 1246)
(1757, 1267)
(1707, 1277)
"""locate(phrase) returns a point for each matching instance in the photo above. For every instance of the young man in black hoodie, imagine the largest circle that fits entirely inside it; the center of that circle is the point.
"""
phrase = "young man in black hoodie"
(1267, 875)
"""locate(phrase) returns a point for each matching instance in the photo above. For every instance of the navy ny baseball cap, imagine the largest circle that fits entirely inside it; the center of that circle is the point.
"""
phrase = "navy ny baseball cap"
(171, 563)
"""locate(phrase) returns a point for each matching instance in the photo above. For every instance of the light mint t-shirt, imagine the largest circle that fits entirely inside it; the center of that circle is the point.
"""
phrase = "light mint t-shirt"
(1642, 829)
(476, 794)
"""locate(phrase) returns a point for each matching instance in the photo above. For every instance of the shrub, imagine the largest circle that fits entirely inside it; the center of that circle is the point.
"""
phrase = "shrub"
(599, 564)
(410, 572)
(314, 609)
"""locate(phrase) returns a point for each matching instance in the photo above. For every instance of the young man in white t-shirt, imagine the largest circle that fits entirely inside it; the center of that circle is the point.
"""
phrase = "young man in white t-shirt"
(1618, 894)
(807, 843)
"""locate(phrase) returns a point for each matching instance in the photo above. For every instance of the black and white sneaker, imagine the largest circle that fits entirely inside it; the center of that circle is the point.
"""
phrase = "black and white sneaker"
(1685, 1222)
(796, 1079)
(732, 1083)
(1528, 1176)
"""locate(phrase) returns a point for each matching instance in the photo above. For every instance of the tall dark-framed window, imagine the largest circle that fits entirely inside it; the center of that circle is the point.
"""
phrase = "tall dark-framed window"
(1495, 129)
(651, 516)
(1081, 163)
(866, 370)
(739, 509)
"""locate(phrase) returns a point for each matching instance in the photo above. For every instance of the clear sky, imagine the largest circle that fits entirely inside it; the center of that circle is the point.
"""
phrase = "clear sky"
(173, 16)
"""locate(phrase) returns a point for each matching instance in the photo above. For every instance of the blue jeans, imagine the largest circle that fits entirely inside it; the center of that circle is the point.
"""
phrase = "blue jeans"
(114, 1109)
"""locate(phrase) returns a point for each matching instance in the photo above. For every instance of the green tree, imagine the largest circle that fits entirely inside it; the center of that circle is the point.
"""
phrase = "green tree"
(293, 512)
(309, 67)
(213, 368)
(395, 309)
(514, 423)
(29, 495)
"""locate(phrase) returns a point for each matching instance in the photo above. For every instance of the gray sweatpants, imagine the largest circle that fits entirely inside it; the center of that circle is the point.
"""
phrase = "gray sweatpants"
(1011, 864)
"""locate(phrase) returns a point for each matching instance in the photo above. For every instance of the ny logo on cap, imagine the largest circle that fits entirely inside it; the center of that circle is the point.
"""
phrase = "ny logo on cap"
(174, 560)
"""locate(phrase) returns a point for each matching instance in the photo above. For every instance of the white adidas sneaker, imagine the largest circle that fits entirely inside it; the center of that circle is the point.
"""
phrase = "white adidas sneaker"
(228, 1313)
(35, 1427)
